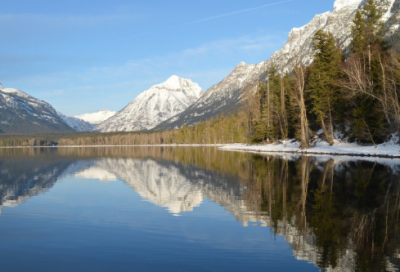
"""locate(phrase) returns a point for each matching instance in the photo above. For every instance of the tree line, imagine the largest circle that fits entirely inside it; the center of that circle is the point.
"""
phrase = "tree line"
(217, 130)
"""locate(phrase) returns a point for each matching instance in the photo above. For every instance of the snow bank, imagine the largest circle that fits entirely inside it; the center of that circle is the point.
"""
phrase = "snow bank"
(389, 149)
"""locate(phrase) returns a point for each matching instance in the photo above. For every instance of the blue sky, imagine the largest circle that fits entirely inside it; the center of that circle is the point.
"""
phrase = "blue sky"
(85, 55)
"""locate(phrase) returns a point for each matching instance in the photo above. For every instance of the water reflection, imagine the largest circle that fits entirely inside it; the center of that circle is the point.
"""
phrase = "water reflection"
(341, 214)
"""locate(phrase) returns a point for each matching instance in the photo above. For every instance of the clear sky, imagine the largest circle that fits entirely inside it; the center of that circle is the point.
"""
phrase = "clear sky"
(85, 55)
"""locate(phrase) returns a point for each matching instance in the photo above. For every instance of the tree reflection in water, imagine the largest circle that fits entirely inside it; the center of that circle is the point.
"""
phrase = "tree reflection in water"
(342, 214)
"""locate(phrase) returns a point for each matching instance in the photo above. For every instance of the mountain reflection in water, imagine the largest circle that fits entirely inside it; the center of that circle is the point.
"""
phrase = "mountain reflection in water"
(341, 214)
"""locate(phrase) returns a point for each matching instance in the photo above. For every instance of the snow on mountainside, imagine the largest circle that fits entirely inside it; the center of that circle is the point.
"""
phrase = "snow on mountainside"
(154, 106)
(226, 95)
(219, 98)
(96, 117)
(22, 113)
(76, 123)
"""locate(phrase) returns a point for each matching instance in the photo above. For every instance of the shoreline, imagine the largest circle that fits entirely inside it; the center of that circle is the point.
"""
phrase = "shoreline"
(254, 151)
(97, 146)
(385, 151)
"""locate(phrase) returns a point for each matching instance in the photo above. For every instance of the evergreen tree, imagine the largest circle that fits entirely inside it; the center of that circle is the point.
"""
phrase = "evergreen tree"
(358, 42)
(367, 29)
(260, 128)
(322, 87)
(373, 24)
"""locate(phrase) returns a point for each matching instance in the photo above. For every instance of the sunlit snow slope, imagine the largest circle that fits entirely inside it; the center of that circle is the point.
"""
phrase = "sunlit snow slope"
(154, 106)
(96, 117)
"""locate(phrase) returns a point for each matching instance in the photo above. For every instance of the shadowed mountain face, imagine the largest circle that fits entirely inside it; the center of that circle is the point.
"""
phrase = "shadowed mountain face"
(22, 113)
(340, 214)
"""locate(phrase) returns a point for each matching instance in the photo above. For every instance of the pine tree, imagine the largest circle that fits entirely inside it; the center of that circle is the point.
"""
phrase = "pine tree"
(260, 128)
(373, 24)
(358, 42)
(322, 87)
(367, 29)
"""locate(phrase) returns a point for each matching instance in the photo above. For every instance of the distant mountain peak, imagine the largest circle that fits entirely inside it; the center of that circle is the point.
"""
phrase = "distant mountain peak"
(76, 123)
(1, 86)
(154, 106)
(96, 117)
(177, 83)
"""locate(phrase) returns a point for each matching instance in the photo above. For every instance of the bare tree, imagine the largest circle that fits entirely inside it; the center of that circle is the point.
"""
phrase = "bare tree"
(299, 74)
(251, 105)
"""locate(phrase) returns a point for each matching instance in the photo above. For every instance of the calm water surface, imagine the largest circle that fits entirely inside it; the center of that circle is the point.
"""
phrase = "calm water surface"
(196, 209)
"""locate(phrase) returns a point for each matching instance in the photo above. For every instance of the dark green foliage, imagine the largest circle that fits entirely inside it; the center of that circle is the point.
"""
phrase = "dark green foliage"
(324, 93)
(368, 123)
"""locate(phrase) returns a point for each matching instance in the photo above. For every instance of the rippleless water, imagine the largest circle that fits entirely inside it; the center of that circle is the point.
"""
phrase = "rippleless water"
(196, 209)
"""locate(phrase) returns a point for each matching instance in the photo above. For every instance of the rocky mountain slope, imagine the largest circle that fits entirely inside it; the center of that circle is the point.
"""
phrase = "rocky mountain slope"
(96, 117)
(22, 113)
(227, 94)
(154, 106)
(76, 123)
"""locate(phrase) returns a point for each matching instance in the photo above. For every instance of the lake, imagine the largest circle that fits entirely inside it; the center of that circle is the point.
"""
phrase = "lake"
(196, 209)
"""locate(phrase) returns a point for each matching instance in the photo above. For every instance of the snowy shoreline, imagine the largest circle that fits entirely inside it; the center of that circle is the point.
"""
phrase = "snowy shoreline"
(385, 150)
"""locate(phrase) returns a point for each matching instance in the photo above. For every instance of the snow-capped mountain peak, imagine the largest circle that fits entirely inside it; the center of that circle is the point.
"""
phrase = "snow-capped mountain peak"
(172, 83)
(154, 106)
(175, 83)
(1, 86)
(96, 117)
(340, 4)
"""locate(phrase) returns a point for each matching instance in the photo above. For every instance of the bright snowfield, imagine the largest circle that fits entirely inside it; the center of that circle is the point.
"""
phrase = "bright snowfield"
(96, 117)
(339, 4)
(390, 148)
(154, 106)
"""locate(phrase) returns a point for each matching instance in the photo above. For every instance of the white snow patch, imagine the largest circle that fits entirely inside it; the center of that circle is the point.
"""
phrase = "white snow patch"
(96, 117)
(340, 4)
(390, 148)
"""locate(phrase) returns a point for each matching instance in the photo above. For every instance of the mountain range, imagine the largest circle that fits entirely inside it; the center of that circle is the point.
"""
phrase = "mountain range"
(179, 101)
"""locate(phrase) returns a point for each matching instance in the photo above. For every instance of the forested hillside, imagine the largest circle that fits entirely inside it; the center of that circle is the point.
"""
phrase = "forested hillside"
(356, 94)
